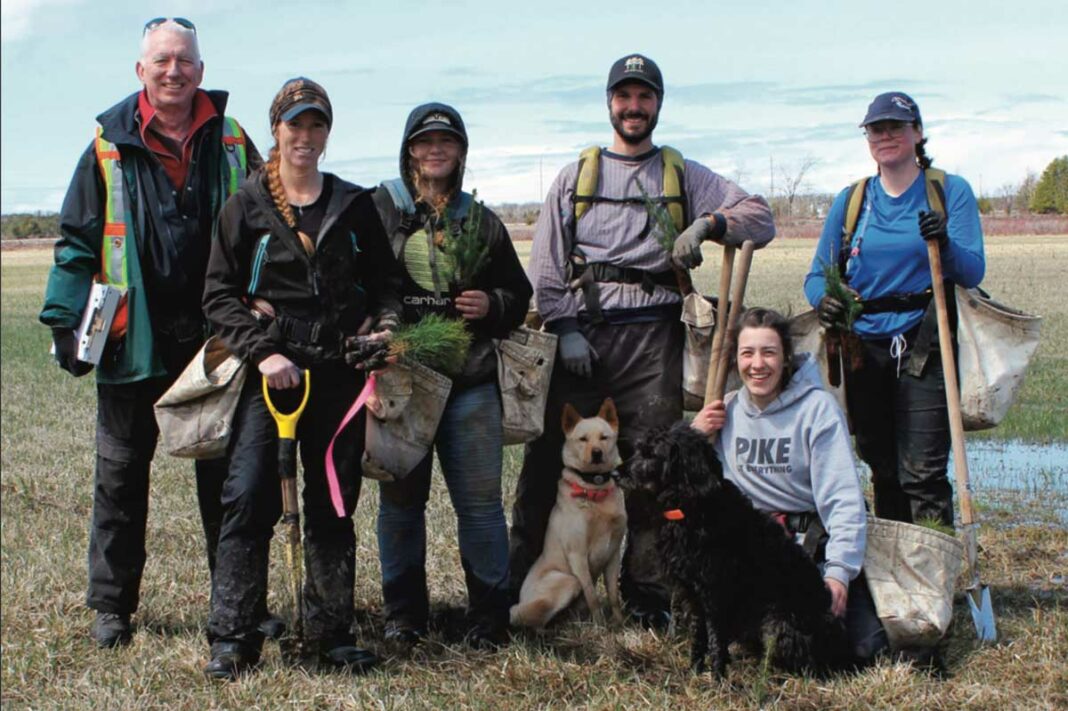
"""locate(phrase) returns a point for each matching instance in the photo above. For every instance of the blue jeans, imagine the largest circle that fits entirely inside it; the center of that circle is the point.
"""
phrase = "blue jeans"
(469, 444)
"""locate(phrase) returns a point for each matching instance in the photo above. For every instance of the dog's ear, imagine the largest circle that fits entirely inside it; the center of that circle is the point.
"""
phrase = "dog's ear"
(569, 418)
(608, 414)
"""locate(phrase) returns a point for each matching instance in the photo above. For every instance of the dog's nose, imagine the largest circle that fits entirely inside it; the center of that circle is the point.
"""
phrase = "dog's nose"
(597, 456)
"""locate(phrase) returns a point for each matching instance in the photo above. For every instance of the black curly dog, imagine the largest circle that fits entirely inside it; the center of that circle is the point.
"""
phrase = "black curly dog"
(739, 572)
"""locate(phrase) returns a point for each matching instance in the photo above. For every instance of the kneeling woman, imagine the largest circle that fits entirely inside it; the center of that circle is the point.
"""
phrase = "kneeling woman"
(300, 263)
(784, 442)
(416, 209)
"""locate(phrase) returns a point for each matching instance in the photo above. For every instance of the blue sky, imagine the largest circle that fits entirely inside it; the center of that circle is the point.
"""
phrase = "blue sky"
(751, 89)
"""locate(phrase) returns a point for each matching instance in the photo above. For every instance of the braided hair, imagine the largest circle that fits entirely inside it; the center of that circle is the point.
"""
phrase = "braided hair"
(278, 193)
(922, 159)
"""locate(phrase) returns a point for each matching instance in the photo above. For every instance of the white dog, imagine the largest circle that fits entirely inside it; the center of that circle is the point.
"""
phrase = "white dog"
(585, 534)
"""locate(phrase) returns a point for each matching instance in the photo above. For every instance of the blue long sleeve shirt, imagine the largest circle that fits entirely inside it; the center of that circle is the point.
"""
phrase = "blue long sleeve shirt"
(891, 255)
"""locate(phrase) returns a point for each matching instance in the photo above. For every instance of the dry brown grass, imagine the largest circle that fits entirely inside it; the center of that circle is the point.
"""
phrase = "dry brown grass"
(48, 661)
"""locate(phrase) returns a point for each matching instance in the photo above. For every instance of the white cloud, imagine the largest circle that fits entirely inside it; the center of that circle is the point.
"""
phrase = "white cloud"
(18, 18)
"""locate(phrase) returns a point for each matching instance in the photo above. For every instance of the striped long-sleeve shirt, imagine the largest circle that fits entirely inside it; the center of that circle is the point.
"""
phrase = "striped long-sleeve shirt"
(618, 234)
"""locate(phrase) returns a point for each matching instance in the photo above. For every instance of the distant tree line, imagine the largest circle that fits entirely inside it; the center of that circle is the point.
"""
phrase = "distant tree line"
(36, 224)
(1045, 195)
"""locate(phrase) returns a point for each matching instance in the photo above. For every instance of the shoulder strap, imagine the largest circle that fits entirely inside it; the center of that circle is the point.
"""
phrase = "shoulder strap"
(936, 189)
(586, 182)
(674, 185)
(854, 201)
(235, 150)
(398, 191)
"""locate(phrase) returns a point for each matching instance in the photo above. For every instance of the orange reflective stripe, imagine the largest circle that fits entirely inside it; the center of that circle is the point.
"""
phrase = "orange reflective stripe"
(113, 248)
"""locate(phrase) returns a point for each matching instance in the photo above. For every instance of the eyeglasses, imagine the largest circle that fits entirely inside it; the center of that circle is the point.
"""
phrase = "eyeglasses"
(153, 24)
(889, 129)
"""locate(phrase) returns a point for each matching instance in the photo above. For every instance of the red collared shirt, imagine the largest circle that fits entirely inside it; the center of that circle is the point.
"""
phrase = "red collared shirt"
(177, 167)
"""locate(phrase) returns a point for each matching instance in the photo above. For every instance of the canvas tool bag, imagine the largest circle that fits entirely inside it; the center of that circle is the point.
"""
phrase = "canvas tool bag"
(403, 417)
(911, 572)
(699, 321)
(995, 345)
(524, 367)
(809, 337)
(196, 414)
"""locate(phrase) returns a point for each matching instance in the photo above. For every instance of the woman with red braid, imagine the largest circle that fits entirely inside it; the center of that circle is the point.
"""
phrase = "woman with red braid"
(300, 266)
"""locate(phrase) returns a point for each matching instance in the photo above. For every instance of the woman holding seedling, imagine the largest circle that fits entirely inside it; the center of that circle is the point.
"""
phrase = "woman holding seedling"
(459, 263)
(300, 265)
(782, 439)
(871, 284)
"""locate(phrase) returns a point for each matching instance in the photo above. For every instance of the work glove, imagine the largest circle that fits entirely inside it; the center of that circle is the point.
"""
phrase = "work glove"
(388, 321)
(831, 311)
(365, 352)
(933, 226)
(67, 352)
(577, 354)
(686, 254)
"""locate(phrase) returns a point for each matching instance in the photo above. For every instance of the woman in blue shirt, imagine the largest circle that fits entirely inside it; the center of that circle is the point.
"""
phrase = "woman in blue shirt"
(896, 397)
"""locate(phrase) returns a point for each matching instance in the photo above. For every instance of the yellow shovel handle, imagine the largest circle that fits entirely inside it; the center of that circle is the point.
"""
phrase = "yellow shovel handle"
(287, 421)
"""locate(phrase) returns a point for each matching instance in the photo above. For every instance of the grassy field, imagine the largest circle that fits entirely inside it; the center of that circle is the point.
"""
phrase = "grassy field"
(48, 661)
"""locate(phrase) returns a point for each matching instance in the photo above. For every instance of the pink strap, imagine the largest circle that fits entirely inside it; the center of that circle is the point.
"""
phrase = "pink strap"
(331, 470)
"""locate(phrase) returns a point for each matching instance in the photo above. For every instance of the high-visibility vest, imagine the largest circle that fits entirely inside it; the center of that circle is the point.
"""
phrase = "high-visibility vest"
(114, 248)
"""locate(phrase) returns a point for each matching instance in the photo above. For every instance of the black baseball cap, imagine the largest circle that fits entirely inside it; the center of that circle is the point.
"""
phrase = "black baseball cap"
(892, 106)
(441, 120)
(636, 67)
(297, 96)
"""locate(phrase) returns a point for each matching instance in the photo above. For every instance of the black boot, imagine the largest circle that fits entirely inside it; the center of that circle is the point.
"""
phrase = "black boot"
(230, 659)
(350, 658)
(111, 630)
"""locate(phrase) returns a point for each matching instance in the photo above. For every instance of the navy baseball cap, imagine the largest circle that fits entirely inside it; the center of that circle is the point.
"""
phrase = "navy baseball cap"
(635, 67)
(892, 106)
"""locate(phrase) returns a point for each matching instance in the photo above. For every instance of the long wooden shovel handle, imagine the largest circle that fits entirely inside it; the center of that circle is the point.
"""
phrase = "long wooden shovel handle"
(726, 271)
(737, 298)
(949, 368)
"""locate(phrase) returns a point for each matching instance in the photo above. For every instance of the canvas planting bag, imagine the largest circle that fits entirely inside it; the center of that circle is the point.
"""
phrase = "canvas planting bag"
(911, 572)
(699, 321)
(403, 417)
(995, 345)
(196, 413)
(524, 367)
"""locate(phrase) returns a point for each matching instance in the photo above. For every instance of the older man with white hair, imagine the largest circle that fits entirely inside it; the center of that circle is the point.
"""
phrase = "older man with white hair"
(138, 215)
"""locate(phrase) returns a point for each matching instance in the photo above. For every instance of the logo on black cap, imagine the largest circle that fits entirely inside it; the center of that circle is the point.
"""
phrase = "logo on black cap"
(634, 64)
(903, 103)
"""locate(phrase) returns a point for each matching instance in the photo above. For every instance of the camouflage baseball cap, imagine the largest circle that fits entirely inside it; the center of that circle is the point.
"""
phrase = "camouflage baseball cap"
(297, 96)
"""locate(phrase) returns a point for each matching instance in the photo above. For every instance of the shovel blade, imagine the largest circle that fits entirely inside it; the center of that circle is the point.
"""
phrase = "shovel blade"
(983, 614)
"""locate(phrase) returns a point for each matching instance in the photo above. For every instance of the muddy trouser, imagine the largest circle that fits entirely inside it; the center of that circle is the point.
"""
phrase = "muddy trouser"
(126, 435)
(640, 368)
(469, 443)
(901, 424)
(867, 637)
(251, 501)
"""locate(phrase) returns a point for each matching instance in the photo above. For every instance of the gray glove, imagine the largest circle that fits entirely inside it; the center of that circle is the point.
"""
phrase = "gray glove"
(686, 254)
(577, 354)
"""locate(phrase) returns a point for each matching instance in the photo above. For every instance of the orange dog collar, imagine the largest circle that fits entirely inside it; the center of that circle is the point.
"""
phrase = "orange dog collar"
(674, 515)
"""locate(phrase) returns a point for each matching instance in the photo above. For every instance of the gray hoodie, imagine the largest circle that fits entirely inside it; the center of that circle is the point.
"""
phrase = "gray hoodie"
(795, 456)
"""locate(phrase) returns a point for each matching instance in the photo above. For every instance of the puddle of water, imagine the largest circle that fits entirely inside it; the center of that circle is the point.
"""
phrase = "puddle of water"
(1018, 466)
(1013, 465)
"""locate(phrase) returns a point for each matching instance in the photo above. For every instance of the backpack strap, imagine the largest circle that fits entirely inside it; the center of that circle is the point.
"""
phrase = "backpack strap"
(398, 191)
(854, 203)
(674, 193)
(586, 183)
